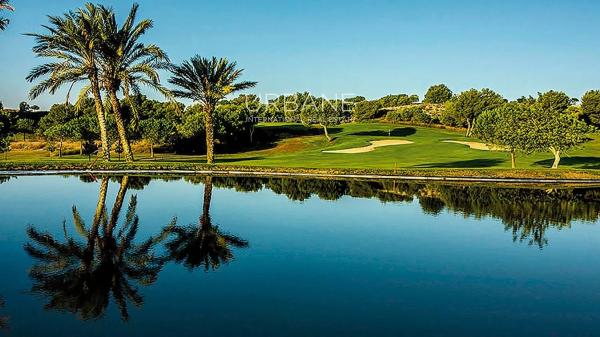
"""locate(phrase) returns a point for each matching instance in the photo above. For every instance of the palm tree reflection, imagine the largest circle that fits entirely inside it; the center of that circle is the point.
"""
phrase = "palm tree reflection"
(204, 244)
(3, 319)
(81, 276)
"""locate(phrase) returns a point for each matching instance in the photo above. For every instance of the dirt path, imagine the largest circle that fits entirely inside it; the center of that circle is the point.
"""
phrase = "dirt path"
(374, 144)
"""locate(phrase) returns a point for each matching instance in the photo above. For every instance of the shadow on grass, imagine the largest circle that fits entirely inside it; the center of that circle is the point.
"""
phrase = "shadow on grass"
(473, 163)
(581, 162)
(398, 132)
(233, 160)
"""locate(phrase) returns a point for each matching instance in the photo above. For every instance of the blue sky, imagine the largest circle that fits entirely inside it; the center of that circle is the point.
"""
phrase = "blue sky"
(371, 48)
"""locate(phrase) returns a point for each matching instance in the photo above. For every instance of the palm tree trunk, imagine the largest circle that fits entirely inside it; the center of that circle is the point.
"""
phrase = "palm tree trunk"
(101, 116)
(100, 210)
(152, 150)
(114, 215)
(114, 101)
(205, 219)
(210, 136)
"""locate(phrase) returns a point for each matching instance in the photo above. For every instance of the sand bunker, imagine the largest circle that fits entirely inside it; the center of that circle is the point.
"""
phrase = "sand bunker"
(374, 144)
(476, 145)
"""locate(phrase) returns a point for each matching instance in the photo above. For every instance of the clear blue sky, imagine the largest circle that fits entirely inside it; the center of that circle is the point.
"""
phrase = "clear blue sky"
(371, 48)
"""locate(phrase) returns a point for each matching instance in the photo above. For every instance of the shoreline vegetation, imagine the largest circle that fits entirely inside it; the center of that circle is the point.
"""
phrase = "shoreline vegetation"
(510, 176)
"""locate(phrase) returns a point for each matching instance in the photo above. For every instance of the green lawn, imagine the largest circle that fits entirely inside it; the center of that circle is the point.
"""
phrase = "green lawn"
(427, 152)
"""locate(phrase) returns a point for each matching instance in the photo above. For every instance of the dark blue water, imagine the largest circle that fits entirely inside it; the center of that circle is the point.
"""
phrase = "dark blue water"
(217, 256)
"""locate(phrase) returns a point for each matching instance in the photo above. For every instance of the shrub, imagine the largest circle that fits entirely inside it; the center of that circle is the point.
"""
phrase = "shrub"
(422, 117)
(366, 110)
(404, 114)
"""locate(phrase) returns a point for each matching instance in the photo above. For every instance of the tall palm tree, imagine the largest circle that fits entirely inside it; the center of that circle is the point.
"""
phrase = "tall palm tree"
(72, 40)
(207, 81)
(4, 5)
(203, 245)
(82, 276)
(127, 63)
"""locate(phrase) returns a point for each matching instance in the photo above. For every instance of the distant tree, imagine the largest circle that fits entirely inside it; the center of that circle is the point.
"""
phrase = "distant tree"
(234, 123)
(4, 5)
(25, 125)
(4, 137)
(590, 106)
(365, 110)
(156, 131)
(557, 132)
(324, 113)
(468, 105)
(509, 127)
(84, 128)
(25, 108)
(554, 101)
(526, 100)
(59, 114)
(438, 94)
(58, 133)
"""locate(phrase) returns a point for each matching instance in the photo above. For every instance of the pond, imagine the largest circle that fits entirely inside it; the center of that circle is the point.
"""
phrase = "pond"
(231, 256)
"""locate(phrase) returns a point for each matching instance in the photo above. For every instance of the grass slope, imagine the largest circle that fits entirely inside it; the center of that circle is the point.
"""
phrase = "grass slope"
(427, 153)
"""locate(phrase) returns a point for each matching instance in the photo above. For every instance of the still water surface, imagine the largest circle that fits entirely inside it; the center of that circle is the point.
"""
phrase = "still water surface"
(206, 256)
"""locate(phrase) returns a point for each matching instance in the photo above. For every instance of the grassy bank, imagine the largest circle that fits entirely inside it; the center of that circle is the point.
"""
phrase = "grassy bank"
(428, 155)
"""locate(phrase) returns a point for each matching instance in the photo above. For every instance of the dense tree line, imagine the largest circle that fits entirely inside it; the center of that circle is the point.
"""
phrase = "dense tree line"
(527, 213)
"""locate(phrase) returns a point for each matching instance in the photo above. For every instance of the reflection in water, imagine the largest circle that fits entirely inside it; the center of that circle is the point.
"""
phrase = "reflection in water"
(203, 244)
(80, 276)
(526, 212)
(3, 319)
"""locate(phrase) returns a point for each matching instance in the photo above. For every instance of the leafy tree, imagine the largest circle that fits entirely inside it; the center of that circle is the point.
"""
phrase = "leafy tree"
(590, 106)
(207, 81)
(156, 131)
(554, 101)
(235, 119)
(557, 132)
(126, 63)
(25, 125)
(507, 126)
(84, 129)
(324, 113)
(468, 105)
(73, 40)
(438, 94)
(365, 110)
(392, 101)
(58, 133)
(59, 114)
(25, 108)
(4, 5)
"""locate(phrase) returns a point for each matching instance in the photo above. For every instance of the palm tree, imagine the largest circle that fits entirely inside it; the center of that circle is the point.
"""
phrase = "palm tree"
(203, 245)
(73, 41)
(82, 276)
(127, 63)
(207, 82)
(4, 5)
